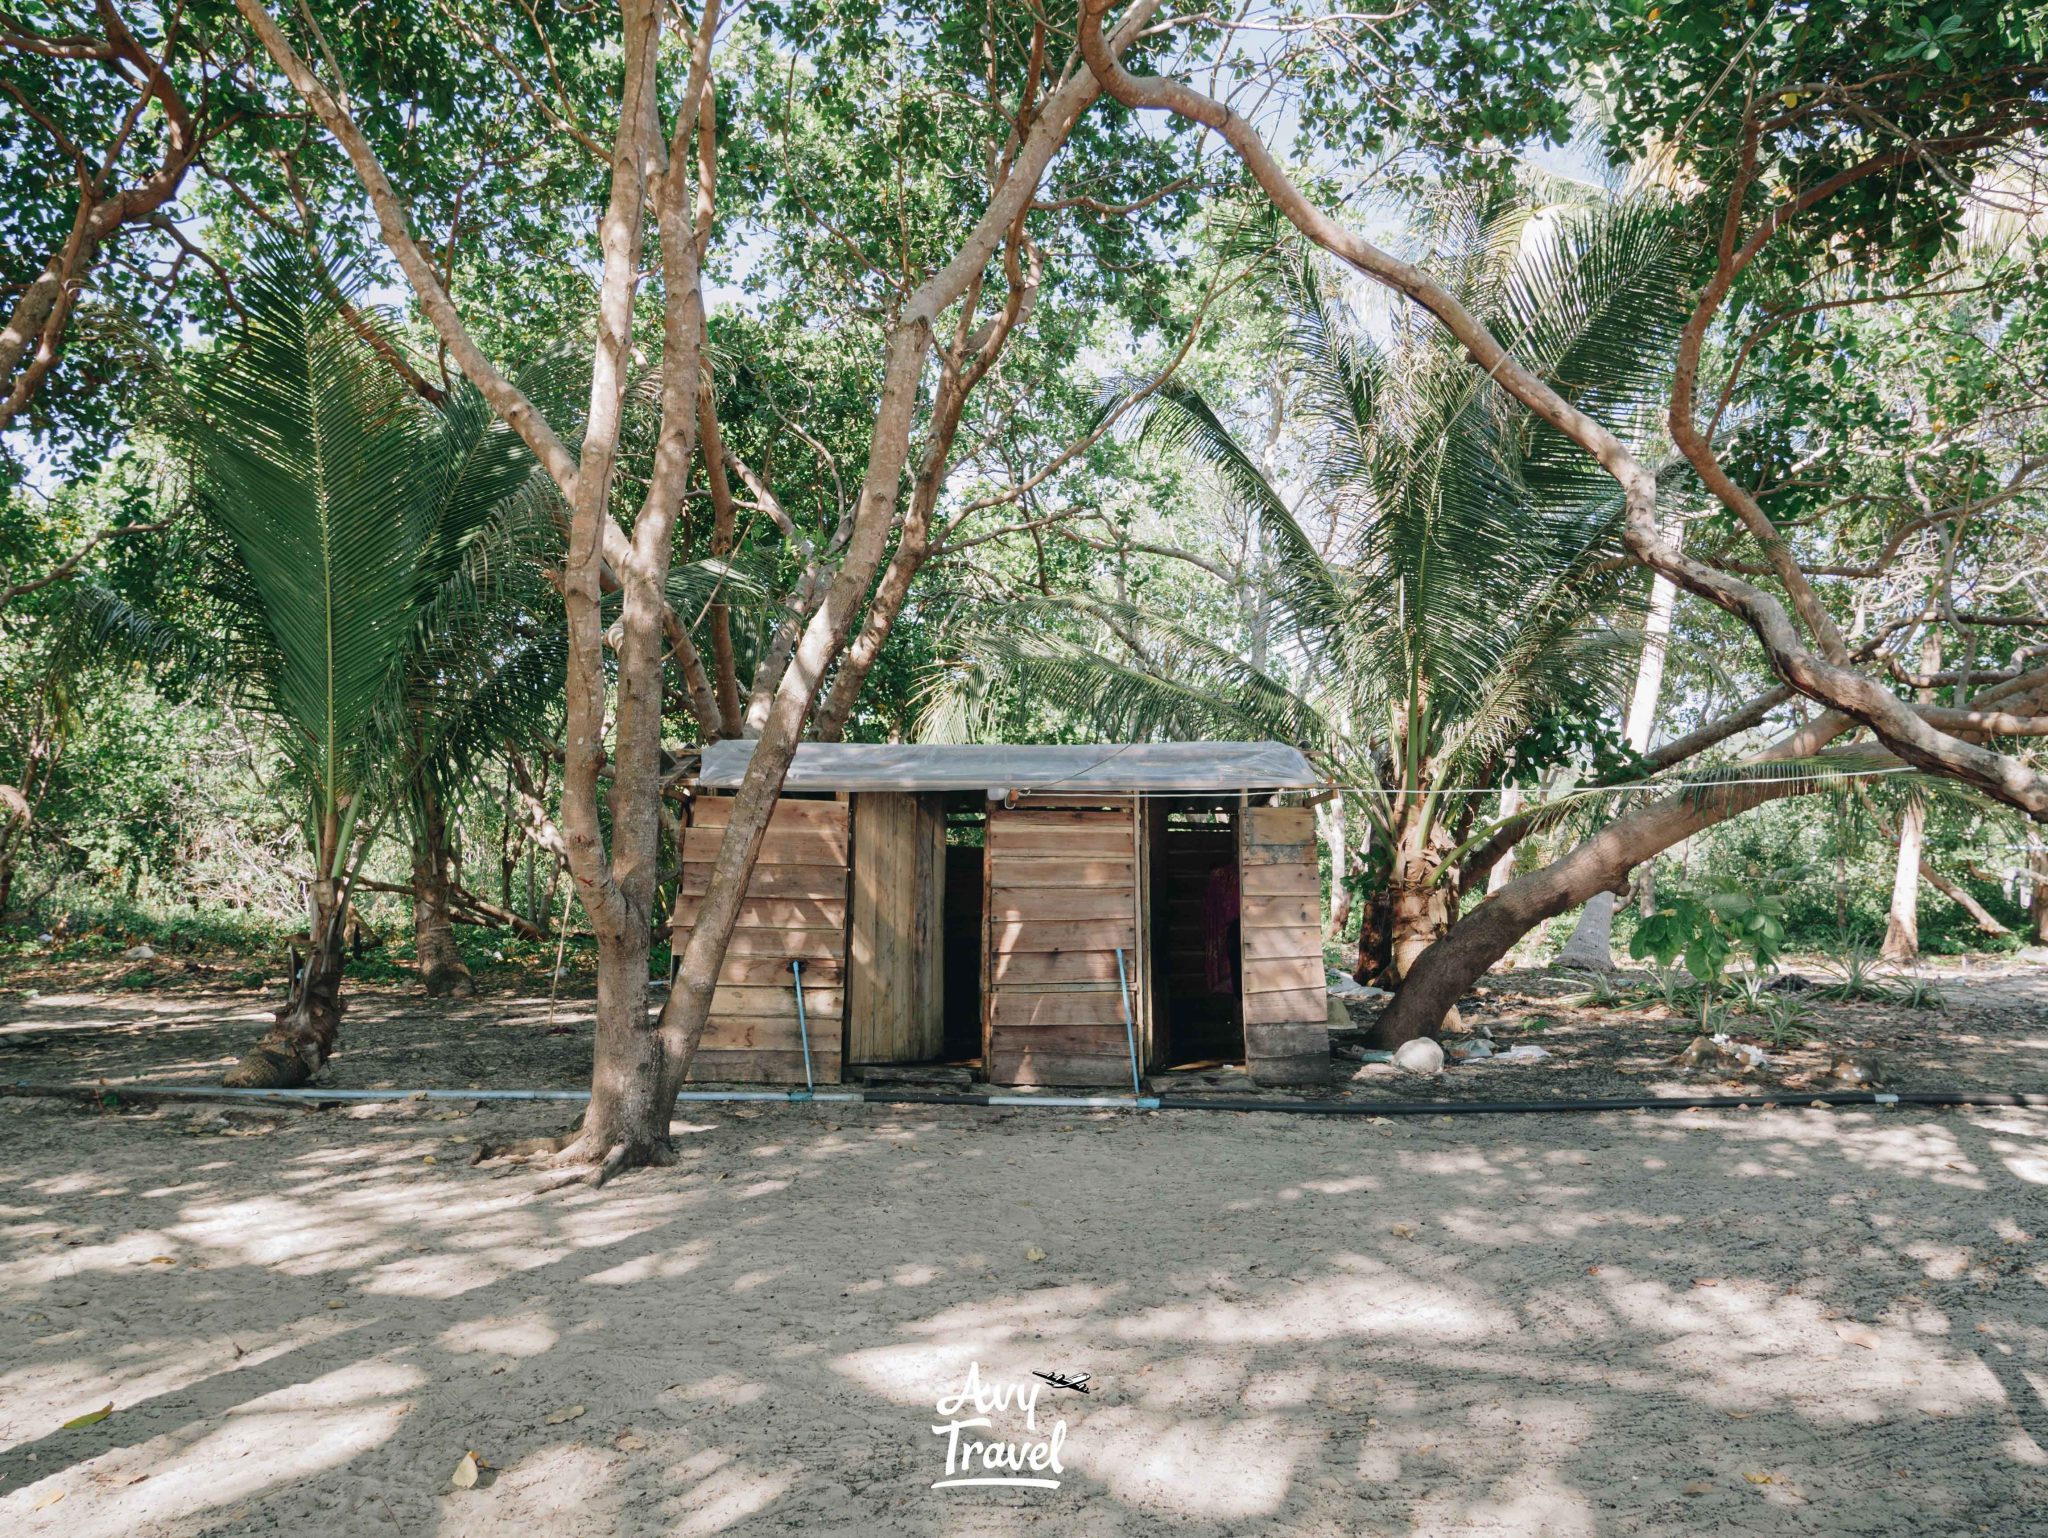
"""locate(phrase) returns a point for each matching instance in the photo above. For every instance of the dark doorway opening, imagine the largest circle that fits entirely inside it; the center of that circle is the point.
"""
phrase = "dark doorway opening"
(963, 929)
(1197, 953)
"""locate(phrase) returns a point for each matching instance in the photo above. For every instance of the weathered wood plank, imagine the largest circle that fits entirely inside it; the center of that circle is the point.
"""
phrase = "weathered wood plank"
(810, 844)
(1018, 1009)
(1028, 1066)
(1024, 969)
(1297, 1005)
(1065, 935)
(1103, 1039)
(1281, 854)
(716, 811)
(1287, 1039)
(773, 970)
(1292, 880)
(1013, 819)
(730, 1033)
(745, 1066)
(774, 913)
(1110, 839)
(1034, 903)
(1281, 913)
(776, 1002)
(1014, 872)
(1288, 942)
(1081, 801)
(1279, 825)
(817, 882)
(1282, 974)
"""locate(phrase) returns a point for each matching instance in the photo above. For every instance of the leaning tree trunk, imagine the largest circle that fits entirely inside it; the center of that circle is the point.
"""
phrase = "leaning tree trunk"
(303, 1038)
(442, 970)
(1443, 973)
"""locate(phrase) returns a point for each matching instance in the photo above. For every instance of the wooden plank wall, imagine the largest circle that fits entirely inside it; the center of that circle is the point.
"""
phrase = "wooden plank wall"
(895, 984)
(796, 909)
(1286, 1004)
(1062, 879)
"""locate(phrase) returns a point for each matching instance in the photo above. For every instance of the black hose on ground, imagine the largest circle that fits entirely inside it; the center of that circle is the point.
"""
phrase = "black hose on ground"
(2033, 1099)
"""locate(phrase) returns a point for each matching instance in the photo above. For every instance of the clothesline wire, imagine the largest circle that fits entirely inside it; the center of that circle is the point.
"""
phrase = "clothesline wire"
(1478, 790)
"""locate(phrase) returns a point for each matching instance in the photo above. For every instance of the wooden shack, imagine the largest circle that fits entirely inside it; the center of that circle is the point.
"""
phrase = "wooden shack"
(1040, 914)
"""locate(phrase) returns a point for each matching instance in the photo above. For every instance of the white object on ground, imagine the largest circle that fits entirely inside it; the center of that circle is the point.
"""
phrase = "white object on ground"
(1421, 1056)
(1527, 1052)
(1344, 986)
(138, 953)
(1751, 1056)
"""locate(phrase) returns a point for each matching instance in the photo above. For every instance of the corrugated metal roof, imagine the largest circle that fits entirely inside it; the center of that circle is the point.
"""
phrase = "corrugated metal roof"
(1118, 767)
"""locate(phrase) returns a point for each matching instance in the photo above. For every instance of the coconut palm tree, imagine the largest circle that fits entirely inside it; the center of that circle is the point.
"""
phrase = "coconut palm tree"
(1443, 579)
(359, 543)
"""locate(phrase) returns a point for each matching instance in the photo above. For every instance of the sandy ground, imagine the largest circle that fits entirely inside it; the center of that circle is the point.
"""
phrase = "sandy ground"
(1761, 1323)
(159, 1023)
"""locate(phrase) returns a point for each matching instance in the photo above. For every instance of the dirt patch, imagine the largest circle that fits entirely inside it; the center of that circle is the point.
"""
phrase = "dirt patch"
(1772, 1323)
(1990, 1032)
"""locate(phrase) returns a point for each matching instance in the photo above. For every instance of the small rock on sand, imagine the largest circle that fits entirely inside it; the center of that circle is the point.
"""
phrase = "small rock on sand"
(1421, 1056)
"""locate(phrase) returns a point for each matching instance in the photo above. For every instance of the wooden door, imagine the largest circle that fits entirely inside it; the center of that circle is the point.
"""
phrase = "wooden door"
(795, 910)
(895, 984)
(1286, 1000)
(1063, 897)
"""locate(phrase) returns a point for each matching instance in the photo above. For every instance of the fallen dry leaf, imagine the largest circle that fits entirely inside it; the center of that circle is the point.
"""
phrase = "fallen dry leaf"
(1859, 1335)
(1699, 1487)
(337, 1303)
(1403, 1231)
(627, 1442)
(90, 1418)
(47, 1501)
(465, 1475)
(163, 1260)
(1034, 1253)
(564, 1415)
(1761, 1479)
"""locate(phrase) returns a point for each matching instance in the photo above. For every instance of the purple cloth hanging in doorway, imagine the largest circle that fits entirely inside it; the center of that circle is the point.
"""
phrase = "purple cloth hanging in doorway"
(1219, 929)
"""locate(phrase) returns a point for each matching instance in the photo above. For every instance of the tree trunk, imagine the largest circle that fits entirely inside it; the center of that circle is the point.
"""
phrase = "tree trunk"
(1419, 909)
(2037, 862)
(1330, 819)
(1591, 946)
(441, 967)
(15, 815)
(1902, 923)
(1443, 973)
(293, 1049)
